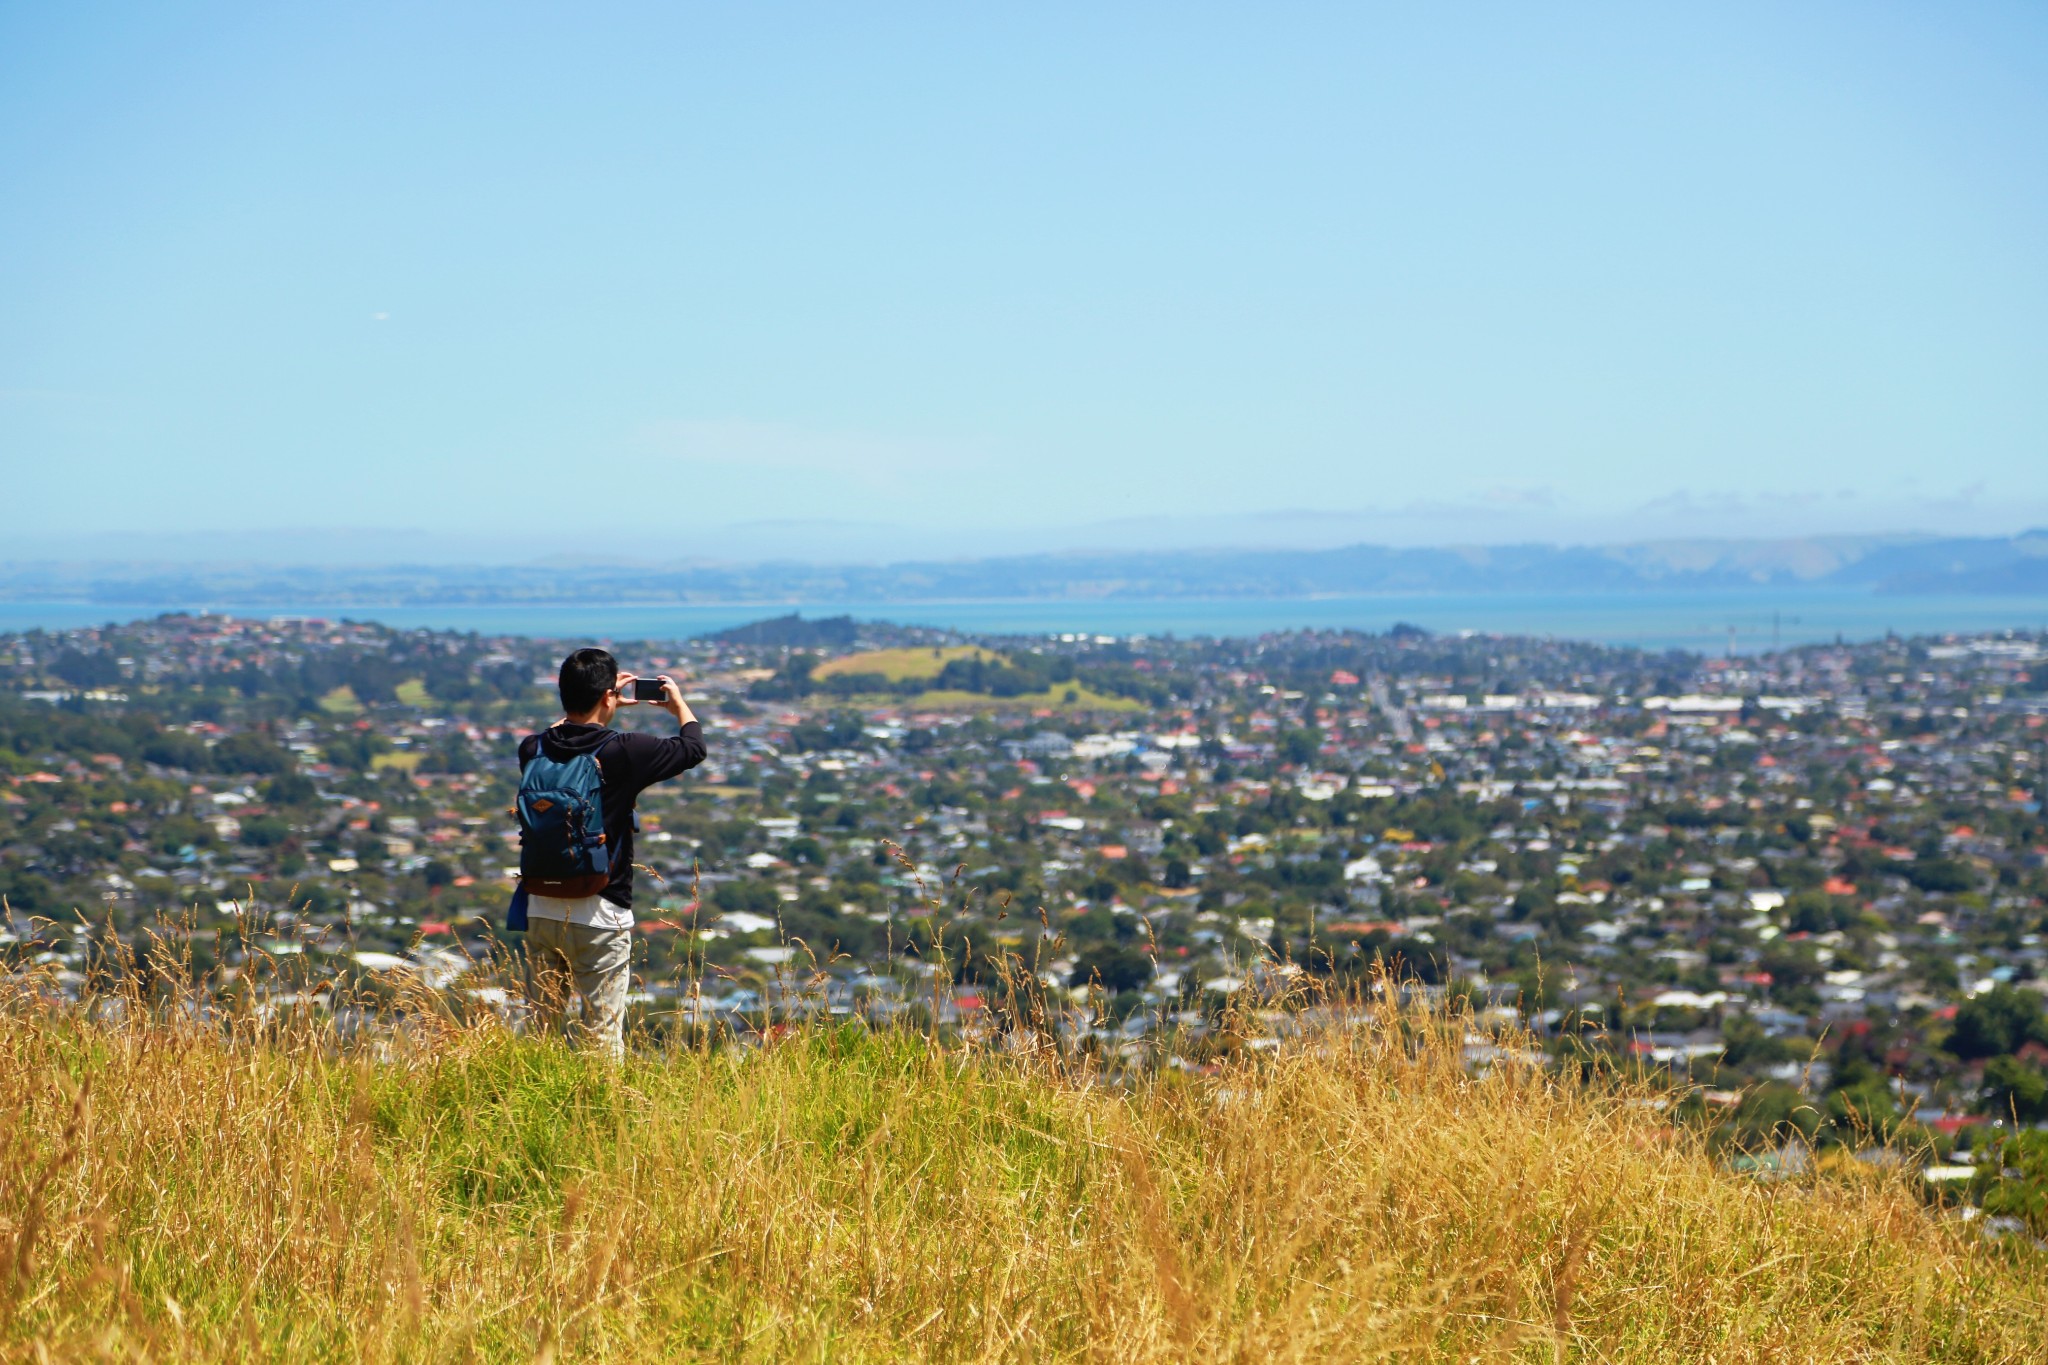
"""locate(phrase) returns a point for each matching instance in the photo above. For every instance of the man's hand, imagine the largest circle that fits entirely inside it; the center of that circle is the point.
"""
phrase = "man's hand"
(671, 698)
(673, 703)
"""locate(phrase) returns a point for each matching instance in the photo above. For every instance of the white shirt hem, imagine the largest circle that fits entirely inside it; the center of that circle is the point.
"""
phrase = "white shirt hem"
(592, 911)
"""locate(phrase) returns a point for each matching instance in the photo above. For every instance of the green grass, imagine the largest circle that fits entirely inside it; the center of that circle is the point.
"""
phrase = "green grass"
(897, 665)
(847, 1196)
(413, 692)
(341, 702)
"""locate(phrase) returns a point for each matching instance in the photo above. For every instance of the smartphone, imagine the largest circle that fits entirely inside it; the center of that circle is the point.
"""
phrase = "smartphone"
(649, 689)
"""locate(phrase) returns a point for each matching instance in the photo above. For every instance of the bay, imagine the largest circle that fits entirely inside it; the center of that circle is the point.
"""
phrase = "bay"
(1707, 622)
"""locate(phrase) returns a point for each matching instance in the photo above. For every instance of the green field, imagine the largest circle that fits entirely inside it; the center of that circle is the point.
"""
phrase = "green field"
(341, 702)
(897, 665)
(900, 665)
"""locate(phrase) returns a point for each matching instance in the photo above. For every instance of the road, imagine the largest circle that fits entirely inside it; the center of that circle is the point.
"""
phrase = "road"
(1397, 717)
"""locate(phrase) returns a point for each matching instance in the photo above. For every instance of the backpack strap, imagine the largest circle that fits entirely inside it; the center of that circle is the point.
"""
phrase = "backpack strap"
(541, 744)
(610, 735)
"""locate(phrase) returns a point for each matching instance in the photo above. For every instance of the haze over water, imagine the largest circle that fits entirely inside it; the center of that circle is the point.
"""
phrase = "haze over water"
(1699, 621)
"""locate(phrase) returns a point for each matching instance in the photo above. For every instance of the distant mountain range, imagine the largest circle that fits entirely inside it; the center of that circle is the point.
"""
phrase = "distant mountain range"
(1899, 564)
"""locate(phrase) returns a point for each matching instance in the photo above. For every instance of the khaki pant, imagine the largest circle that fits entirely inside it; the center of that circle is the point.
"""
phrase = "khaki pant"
(597, 963)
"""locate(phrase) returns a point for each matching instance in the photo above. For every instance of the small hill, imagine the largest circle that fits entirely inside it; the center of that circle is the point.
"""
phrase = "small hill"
(793, 631)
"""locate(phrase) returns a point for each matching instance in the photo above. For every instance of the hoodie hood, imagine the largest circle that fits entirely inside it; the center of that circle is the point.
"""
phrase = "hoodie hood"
(566, 739)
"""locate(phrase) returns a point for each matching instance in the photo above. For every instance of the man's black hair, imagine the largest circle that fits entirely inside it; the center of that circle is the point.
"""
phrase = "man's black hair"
(586, 676)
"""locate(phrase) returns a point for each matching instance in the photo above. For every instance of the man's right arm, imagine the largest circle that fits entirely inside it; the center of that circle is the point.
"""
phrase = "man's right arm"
(656, 760)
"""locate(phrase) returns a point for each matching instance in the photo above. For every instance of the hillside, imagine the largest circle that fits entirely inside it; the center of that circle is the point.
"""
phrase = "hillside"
(853, 1197)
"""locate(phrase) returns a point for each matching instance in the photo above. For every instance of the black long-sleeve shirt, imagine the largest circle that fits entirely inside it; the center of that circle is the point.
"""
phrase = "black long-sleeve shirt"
(630, 763)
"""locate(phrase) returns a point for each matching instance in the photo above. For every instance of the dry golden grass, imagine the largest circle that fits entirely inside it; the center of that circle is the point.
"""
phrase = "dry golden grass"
(173, 1192)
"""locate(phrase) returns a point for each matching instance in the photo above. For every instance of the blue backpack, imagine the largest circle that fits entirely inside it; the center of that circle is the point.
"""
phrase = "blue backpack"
(561, 829)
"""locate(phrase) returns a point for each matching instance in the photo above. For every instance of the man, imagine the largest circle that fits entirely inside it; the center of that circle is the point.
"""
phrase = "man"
(587, 942)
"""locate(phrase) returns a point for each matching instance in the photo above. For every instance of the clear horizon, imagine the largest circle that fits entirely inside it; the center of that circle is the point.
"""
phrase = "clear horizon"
(927, 278)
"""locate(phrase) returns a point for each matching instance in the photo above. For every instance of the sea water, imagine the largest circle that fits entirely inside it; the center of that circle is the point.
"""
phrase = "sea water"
(1746, 621)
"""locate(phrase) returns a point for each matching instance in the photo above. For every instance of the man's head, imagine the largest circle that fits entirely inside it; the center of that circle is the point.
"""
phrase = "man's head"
(588, 684)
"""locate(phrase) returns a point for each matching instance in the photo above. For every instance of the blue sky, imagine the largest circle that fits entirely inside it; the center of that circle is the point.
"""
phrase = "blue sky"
(883, 278)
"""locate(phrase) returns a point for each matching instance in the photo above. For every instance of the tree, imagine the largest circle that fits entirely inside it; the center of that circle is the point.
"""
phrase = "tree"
(1864, 1109)
(1300, 747)
(1747, 1044)
(1940, 875)
(177, 749)
(1812, 912)
(251, 753)
(1119, 969)
(1996, 1023)
(2016, 1088)
(290, 789)
(355, 750)
(750, 897)
(791, 680)
(265, 831)
(97, 669)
